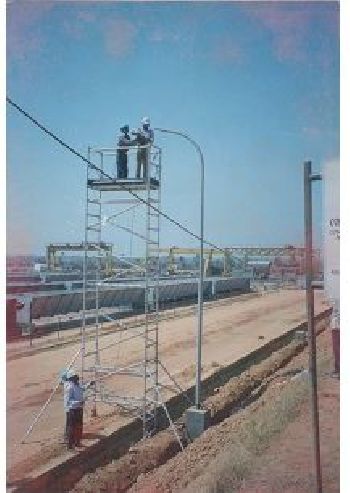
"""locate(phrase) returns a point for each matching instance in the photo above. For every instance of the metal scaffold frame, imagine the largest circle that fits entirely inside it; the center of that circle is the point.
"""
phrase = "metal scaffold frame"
(146, 404)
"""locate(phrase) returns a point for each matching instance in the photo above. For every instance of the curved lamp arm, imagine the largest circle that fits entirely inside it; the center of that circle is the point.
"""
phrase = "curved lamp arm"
(201, 271)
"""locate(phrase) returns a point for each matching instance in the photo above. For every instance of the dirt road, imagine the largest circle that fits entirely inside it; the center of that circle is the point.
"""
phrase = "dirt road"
(230, 331)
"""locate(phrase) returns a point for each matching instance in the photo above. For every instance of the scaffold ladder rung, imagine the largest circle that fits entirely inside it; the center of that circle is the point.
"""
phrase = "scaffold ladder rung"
(150, 346)
(152, 324)
(152, 311)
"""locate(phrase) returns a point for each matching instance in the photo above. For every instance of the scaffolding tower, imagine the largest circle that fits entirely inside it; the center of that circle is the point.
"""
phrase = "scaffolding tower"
(120, 196)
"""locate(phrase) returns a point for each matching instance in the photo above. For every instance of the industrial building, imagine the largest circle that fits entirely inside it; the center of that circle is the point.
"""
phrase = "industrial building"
(131, 294)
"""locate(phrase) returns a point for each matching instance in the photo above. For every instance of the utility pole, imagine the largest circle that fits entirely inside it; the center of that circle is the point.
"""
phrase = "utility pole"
(308, 179)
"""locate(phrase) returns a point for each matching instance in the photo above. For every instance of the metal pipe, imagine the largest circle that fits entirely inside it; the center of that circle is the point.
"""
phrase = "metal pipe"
(201, 268)
(85, 273)
(308, 178)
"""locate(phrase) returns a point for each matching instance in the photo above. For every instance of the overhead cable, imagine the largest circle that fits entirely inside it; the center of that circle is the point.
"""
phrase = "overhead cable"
(102, 172)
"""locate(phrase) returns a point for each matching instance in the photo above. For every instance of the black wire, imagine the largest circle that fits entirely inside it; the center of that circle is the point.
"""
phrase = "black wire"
(102, 172)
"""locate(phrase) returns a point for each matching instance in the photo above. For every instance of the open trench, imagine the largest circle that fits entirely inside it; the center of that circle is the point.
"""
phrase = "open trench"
(115, 463)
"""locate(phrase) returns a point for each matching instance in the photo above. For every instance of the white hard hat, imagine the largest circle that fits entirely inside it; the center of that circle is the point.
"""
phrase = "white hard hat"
(146, 120)
(71, 373)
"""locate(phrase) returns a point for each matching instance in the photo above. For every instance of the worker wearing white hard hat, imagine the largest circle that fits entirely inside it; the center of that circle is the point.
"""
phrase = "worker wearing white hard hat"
(73, 405)
(144, 137)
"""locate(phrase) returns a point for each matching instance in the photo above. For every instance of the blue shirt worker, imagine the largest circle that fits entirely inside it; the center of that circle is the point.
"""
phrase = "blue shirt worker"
(144, 136)
(73, 405)
(122, 154)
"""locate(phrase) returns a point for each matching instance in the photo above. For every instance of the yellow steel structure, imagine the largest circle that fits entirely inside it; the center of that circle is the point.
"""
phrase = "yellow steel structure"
(209, 252)
(53, 249)
(242, 252)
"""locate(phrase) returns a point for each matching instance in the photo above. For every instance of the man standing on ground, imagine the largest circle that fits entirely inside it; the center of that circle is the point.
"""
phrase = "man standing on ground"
(73, 404)
(144, 137)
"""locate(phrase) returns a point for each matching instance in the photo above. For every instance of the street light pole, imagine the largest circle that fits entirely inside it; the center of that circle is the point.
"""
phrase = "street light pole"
(308, 179)
(201, 268)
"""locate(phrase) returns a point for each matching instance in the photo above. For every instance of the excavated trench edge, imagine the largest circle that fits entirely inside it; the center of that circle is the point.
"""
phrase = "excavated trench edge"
(62, 477)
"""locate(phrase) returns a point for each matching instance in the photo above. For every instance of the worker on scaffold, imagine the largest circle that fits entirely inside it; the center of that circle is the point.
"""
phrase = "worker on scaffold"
(144, 136)
(124, 140)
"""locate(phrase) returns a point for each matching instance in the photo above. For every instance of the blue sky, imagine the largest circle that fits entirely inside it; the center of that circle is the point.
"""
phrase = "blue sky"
(256, 84)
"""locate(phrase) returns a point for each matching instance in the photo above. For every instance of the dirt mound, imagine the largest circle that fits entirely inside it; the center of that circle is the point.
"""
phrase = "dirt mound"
(118, 476)
(225, 455)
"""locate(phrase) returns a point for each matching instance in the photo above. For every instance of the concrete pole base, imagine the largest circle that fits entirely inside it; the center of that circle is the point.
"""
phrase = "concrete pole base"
(197, 420)
(300, 335)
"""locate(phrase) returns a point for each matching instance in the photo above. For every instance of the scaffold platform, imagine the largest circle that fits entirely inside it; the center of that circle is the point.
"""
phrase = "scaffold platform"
(120, 184)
